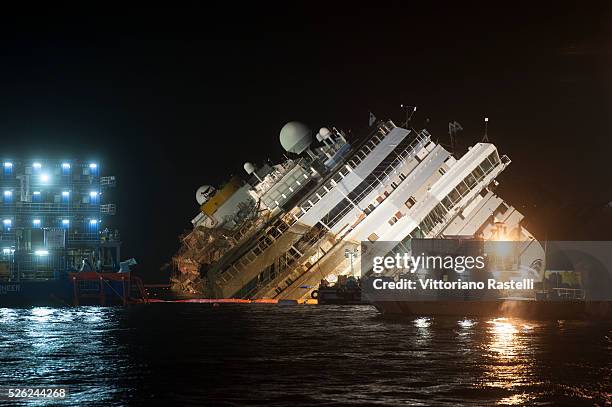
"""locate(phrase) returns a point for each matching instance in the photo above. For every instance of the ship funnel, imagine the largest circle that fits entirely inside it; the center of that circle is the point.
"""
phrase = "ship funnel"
(295, 137)
(249, 168)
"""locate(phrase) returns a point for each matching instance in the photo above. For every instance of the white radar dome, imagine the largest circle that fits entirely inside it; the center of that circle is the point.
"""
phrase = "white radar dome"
(324, 133)
(295, 137)
(249, 168)
(204, 193)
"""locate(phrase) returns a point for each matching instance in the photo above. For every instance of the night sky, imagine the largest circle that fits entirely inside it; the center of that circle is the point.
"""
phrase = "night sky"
(169, 100)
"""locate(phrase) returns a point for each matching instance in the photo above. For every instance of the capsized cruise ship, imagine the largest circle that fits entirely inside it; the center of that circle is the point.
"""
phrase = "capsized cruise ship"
(277, 233)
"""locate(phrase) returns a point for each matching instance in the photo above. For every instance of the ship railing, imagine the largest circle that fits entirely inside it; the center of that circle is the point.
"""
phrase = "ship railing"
(569, 293)
(108, 181)
(108, 209)
(295, 268)
(372, 141)
(282, 224)
(84, 238)
(20, 207)
(408, 153)
(37, 275)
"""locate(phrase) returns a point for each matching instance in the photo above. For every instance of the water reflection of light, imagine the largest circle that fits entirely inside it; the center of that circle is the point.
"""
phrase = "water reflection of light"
(93, 314)
(422, 322)
(466, 323)
(509, 364)
(51, 345)
(515, 400)
(503, 340)
(42, 314)
(423, 331)
(7, 315)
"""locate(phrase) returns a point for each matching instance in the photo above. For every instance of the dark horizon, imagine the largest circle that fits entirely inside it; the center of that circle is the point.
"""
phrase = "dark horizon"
(171, 100)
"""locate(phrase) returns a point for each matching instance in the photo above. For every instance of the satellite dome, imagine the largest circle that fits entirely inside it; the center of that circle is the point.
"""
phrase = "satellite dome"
(249, 168)
(324, 133)
(295, 137)
(204, 193)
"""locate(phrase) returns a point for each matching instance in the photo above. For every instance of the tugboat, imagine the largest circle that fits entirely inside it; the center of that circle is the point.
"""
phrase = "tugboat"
(346, 291)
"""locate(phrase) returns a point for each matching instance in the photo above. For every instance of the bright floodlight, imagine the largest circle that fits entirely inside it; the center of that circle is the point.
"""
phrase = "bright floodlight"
(65, 222)
(45, 177)
(8, 193)
(41, 252)
(93, 194)
(37, 166)
(486, 119)
(36, 192)
(65, 194)
(6, 250)
(36, 222)
(66, 166)
(7, 222)
(93, 166)
(8, 165)
(93, 221)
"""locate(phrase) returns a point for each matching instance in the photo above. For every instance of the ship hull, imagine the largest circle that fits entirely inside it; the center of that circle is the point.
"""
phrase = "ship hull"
(87, 288)
(512, 308)
(35, 293)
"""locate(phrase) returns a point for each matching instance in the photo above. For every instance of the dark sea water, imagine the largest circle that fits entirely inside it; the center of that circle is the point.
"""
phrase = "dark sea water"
(194, 354)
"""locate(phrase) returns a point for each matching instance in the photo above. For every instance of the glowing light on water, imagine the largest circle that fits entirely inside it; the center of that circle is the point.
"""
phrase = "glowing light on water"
(467, 323)
(7, 315)
(422, 322)
(41, 314)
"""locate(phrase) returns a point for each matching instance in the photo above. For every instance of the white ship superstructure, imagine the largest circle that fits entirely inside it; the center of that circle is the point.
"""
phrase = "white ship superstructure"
(292, 224)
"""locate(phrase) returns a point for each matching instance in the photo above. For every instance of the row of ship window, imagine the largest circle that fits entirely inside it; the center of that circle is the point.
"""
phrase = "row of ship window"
(400, 153)
(283, 222)
(440, 211)
(357, 158)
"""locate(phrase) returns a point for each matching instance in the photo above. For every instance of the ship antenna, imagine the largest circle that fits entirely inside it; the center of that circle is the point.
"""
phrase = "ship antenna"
(485, 139)
(409, 113)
